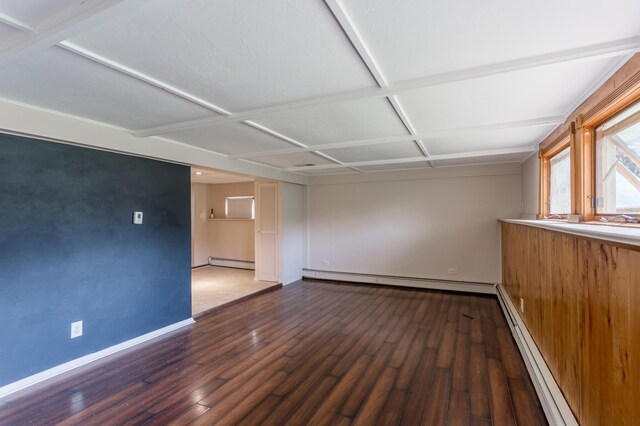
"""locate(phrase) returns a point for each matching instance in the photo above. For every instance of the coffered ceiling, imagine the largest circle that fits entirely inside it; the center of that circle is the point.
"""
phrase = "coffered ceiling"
(319, 87)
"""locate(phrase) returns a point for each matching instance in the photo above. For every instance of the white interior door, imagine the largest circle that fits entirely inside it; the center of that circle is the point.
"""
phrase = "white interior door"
(267, 231)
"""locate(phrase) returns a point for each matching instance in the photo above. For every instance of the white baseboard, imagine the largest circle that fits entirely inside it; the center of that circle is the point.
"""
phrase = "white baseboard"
(553, 402)
(430, 284)
(79, 362)
(240, 264)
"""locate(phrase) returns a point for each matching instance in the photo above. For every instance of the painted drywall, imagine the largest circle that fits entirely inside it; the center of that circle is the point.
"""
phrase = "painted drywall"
(413, 227)
(292, 231)
(221, 238)
(41, 123)
(69, 251)
(530, 187)
(232, 239)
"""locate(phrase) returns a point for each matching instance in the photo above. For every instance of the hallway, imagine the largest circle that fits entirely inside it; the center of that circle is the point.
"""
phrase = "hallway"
(214, 286)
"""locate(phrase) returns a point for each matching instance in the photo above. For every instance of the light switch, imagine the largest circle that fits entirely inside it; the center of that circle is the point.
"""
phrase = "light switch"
(137, 218)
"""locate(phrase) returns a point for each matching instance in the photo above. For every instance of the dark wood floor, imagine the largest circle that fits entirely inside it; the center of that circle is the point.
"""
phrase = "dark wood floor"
(311, 353)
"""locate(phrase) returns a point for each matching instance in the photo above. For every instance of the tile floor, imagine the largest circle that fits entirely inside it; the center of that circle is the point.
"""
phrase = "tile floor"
(213, 286)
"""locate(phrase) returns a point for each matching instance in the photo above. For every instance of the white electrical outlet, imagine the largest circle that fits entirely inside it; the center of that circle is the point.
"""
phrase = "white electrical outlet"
(522, 305)
(453, 271)
(76, 329)
(326, 263)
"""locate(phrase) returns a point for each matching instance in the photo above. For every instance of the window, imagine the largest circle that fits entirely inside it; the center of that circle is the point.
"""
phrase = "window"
(617, 164)
(590, 165)
(560, 183)
(242, 207)
(556, 179)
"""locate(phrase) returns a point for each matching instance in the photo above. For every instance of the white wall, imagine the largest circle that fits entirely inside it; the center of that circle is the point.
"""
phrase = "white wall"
(530, 187)
(230, 239)
(223, 239)
(413, 225)
(292, 231)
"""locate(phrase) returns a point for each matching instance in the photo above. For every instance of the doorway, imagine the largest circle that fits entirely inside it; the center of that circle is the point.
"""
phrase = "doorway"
(223, 243)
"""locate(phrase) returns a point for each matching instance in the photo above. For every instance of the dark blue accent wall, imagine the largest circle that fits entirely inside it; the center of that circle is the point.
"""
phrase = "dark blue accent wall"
(69, 251)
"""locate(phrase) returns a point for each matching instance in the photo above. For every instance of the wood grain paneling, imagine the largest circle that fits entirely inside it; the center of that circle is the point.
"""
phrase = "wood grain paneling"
(581, 305)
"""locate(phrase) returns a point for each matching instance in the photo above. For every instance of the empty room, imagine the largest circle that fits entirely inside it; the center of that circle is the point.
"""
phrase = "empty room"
(432, 209)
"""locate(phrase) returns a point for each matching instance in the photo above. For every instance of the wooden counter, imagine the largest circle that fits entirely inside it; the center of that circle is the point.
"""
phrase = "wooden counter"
(581, 297)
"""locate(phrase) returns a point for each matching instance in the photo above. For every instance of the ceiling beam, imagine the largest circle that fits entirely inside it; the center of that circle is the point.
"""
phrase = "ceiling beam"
(301, 147)
(74, 48)
(395, 103)
(461, 131)
(344, 20)
(352, 33)
(14, 23)
(66, 23)
(458, 156)
(601, 50)
(138, 75)
(275, 134)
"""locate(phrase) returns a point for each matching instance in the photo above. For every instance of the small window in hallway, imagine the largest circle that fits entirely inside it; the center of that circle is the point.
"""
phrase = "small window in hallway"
(241, 207)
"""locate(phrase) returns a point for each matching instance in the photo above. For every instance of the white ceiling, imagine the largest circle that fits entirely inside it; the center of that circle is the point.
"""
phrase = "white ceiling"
(346, 86)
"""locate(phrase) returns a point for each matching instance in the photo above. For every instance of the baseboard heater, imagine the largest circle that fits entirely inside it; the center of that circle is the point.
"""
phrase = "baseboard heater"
(229, 263)
(425, 283)
(553, 402)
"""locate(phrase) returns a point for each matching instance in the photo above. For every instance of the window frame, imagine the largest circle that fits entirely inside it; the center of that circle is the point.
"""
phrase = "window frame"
(545, 175)
(620, 91)
(588, 138)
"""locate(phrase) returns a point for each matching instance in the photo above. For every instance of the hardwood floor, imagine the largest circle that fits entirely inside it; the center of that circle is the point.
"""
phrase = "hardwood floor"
(312, 353)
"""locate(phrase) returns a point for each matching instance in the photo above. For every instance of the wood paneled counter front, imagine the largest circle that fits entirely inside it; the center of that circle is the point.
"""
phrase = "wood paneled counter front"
(580, 291)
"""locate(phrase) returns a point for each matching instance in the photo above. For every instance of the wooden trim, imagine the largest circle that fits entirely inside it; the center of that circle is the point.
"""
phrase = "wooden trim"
(574, 169)
(627, 76)
(621, 98)
(586, 178)
(545, 170)
(544, 186)
(624, 124)
(589, 130)
(617, 93)
(612, 240)
(549, 146)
